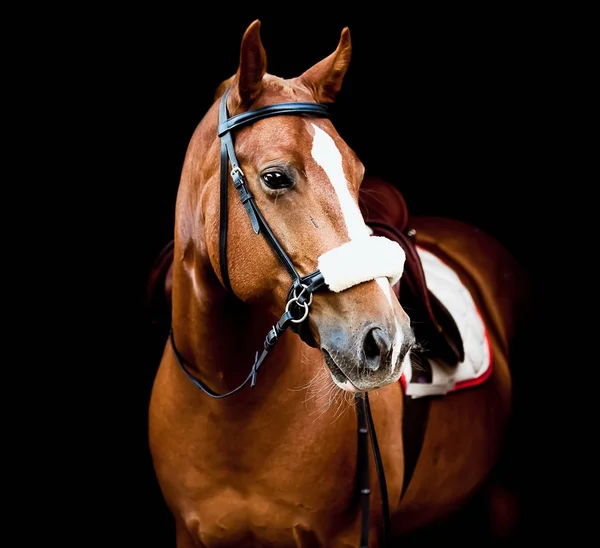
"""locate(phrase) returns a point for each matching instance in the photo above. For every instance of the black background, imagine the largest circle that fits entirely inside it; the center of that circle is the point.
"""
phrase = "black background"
(450, 105)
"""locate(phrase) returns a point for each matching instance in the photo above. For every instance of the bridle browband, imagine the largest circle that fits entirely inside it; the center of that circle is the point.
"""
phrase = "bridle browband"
(300, 295)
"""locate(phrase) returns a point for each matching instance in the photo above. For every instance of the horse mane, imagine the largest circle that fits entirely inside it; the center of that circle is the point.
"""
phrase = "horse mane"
(157, 300)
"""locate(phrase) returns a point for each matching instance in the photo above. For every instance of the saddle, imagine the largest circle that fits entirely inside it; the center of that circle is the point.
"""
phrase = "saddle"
(385, 212)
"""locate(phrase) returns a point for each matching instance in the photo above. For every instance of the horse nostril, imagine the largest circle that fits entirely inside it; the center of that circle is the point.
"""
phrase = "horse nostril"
(375, 345)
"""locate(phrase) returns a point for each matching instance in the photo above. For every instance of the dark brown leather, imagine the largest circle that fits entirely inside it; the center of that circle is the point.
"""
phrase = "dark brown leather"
(385, 211)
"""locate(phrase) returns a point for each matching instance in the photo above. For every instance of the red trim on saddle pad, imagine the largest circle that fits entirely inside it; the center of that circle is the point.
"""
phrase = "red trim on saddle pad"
(465, 383)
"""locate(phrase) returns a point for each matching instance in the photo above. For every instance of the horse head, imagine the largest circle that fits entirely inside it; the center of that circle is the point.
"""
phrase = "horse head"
(304, 180)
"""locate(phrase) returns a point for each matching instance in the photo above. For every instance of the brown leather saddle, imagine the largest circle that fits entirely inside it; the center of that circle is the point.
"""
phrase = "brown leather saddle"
(386, 213)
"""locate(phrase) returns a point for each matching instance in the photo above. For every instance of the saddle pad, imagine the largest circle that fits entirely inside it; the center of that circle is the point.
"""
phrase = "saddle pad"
(444, 283)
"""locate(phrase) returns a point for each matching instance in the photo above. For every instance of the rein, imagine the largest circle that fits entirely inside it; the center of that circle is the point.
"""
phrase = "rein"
(299, 301)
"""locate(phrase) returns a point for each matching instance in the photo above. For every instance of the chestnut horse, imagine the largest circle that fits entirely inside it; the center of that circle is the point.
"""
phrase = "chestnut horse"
(298, 288)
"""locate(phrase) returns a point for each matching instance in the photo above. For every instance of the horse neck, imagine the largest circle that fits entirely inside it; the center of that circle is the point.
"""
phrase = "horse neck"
(219, 335)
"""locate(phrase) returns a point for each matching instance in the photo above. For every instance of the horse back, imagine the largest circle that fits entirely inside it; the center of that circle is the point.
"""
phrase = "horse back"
(498, 284)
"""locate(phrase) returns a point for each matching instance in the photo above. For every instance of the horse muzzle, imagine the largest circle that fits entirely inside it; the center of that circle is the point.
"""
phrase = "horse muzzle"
(371, 359)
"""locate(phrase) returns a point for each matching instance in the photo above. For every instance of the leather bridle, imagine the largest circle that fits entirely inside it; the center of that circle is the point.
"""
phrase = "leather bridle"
(299, 298)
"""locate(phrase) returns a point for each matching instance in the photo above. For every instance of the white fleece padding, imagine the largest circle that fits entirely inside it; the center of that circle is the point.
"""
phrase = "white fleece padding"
(361, 260)
(445, 284)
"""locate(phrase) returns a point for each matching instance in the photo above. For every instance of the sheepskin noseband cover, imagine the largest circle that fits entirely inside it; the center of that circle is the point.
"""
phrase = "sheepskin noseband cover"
(361, 260)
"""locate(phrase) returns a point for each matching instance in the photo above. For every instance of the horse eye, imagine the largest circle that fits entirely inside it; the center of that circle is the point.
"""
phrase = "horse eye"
(276, 180)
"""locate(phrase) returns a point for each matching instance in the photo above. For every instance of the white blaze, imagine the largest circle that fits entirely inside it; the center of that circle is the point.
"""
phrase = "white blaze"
(385, 286)
(327, 155)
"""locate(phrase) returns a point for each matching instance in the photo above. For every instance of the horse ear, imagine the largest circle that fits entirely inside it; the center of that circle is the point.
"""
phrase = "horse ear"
(247, 82)
(326, 77)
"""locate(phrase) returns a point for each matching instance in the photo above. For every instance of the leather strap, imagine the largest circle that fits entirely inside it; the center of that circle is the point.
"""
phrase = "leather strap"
(415, 417)
(245, 118)
(363, 470)
(385, 507)
(366, 428)
(223, 211)
(275, 245)
(439, 324)
(272, 336)
(239, 183)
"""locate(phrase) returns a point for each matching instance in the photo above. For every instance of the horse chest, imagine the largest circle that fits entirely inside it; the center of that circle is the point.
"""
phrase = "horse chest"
(276, 492)
(231, 518)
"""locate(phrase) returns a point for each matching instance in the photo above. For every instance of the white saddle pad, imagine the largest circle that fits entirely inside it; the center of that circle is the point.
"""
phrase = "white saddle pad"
(477, 365)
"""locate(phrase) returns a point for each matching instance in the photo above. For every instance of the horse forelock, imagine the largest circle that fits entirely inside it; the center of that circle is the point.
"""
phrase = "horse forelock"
(273, 90)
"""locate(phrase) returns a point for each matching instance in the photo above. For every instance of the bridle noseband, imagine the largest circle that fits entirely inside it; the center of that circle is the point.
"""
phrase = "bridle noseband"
(300, 295)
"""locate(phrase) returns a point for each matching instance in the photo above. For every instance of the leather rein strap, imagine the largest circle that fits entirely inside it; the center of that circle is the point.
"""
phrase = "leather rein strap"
(299, 297)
